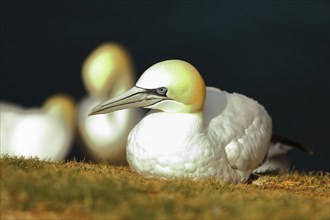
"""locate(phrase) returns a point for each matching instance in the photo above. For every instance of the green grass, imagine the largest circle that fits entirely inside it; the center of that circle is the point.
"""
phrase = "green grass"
(35, 189)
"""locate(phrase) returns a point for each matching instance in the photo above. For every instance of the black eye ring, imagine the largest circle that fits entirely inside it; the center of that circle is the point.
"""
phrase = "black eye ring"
(161, 90)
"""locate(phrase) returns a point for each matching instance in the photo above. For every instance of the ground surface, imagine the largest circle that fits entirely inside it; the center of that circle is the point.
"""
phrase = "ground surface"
(34, 189)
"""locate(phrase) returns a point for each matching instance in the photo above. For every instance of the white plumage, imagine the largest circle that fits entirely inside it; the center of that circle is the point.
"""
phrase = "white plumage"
(106, 72)
(225, 136)
(105, 136)
(45, 132)
(231, 143)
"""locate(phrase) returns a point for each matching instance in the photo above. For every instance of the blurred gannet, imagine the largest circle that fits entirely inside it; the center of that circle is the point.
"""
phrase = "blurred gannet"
(106, 72)
(45, 132)
(192, 131)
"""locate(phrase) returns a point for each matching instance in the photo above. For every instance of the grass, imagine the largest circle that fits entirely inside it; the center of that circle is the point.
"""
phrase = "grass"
(55, 190)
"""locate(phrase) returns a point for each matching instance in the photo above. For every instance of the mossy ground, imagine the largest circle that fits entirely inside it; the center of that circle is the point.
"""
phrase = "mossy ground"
(55, 190)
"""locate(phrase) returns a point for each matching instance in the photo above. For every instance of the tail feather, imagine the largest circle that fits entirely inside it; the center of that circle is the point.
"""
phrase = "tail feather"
(291, 143)
(276, 160)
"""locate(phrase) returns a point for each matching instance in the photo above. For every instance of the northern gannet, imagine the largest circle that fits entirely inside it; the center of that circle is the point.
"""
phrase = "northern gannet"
(106, 72)
(45, 132)
(192, 131)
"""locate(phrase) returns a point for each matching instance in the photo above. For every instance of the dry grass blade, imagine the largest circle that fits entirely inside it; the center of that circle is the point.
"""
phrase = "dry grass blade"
(31, 188)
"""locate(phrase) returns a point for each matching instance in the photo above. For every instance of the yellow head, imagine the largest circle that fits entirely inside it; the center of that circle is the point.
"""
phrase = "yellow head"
(107, 68)
(185, 86)
(171, 86)
(61, 106)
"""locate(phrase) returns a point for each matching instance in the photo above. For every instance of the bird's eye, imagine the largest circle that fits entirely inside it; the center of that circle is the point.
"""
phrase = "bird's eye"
(161, 90)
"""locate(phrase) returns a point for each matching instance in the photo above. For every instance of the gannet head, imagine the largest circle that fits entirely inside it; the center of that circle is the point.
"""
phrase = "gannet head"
(63, 107)
(170, 86)
(108, 69)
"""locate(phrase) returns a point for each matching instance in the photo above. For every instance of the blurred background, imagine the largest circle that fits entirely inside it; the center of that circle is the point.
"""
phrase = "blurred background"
(276, 52)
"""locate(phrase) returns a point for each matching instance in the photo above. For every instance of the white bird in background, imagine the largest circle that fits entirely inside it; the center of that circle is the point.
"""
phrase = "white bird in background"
(45, 132)
(106, 72)
(192, 131)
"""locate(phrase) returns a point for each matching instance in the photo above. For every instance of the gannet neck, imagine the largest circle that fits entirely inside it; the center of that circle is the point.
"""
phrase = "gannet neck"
(123, 82)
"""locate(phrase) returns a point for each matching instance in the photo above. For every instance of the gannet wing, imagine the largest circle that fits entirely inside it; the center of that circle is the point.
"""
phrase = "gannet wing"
(215, 104)
(239, 125)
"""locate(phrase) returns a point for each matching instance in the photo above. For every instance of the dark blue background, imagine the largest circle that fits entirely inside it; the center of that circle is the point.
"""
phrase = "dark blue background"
(276, 52)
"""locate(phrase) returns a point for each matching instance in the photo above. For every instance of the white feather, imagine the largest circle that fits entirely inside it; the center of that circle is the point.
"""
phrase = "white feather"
(228, 144)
